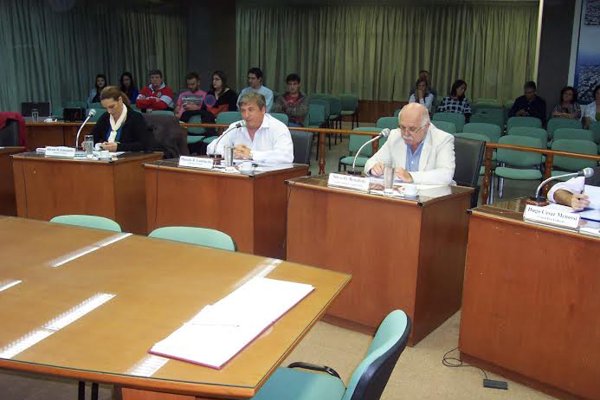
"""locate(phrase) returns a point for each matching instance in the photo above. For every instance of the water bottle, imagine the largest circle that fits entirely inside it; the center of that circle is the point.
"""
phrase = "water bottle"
(88, 146)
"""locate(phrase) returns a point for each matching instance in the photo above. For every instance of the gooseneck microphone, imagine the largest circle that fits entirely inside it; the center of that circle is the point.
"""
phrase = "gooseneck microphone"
(383, 133)
(238, 125)
(586, 172)
(90, 115)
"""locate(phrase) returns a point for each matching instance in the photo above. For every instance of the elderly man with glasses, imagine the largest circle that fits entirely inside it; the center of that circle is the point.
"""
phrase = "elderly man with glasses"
(419, 152)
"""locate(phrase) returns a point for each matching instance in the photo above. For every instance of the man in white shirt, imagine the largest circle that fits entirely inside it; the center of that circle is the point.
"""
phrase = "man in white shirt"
(263, 138)
(255, 84)
(419, 152)
(570, 193)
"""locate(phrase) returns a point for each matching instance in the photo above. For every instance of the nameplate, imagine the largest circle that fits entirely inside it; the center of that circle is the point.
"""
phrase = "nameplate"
(349, 182)
(196, 162)
(60, 151)
(551, 216)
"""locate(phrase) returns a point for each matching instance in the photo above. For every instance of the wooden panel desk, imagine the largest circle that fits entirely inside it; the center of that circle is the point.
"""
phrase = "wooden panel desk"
(249, 208)
(158, 285)
(531, 303)
(8, 205)
(46, 187)
(41, 134)
(401, 254)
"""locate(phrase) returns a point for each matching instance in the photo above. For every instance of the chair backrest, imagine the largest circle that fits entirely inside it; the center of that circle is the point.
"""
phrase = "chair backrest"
(199, 236)
(319, 99)
(88, 221)
(228, 117)
(457, 119)
(96, 117)
(532, 122)
(356, 141)
(335, 105)
(472, 136)
(517, 158)
(573, 146)
(281, 117)
(538, 133)
(489, 116)
(349, 102)
(302, 145)
(372, 374)
(196, 130)
(397, 112)
(316, 115)
(492, 131)
(573, 133)
(170, 137)
(387, 122)
(469, 157)
(9, 135)
(595, 127)
(557, 123)
(445, 126)
(162, 112)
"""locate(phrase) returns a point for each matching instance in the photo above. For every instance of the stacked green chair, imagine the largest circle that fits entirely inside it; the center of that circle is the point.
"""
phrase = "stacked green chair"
(564, 165)
(492, 131)
(193, 235)
(335, 110)
(531, 122)
(557, 123)
(457, 119)
(281, 117)
(367, 382)
(355, 142)
(573, 134)
(538, 133)
(445, 126)
(88, 221)
(518, 165)
(350, 107)
(387, 122)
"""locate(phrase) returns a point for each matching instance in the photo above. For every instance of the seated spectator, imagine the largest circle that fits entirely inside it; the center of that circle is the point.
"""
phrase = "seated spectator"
(157, 95)
(457, 102)
(530, 104)
(422, 95)
(190, 102)
(567, 107)
(293, 102)
(219, 97)
(424, 74)
(94, 96)
(591, 112)
(255, 84)
(129, 87)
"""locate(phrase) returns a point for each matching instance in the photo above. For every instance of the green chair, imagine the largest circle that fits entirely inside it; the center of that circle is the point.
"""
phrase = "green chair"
(457, 119)
(316, 115)
(196, 131)
(355, 142)
(563, 165)
(350, 107)
(473, 136)
(193, 235)
(367, 382)
(489, 116)
(445, 126)
(557, 123)
(228, 117)
(488, 101)
(195, 135)
(397, 112)
(492, 131)
(538, 133)
(387, 122)
(507, 106)
(518, 165)
(281, 117)
(99, 112)
(531, 122)
(162, 112)
(489, 104)
(573, 134)
(88, 221)
(595, 127)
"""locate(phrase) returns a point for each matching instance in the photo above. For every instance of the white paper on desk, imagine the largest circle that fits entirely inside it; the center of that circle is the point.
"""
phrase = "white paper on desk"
(593, 193)
(220, 331)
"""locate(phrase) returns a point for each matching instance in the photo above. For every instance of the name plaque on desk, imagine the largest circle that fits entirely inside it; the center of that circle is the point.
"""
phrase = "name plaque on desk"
(196, 162)
(349, 182)
(60, 151)
(550, 216)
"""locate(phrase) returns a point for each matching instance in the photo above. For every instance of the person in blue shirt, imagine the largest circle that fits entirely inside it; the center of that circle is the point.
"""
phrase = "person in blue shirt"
(255, 84)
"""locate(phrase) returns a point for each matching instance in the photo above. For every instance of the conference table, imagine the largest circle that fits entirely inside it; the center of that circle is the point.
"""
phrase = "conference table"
(59, 319)
(531, 302)
(41, 134)
(49, 186)
(401, 253)
(250, 207)
(8, 204)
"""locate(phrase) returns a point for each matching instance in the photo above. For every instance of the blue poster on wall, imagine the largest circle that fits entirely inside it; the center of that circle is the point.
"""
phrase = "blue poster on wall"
(587, 70)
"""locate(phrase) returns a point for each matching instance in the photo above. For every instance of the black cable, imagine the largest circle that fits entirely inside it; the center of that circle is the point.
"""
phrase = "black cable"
(454, 362)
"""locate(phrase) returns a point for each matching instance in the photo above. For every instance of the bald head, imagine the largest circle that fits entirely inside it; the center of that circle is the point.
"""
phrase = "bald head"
(413, 121)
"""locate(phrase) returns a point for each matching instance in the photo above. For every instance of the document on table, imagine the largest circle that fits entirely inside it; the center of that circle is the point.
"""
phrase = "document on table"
(221, 330)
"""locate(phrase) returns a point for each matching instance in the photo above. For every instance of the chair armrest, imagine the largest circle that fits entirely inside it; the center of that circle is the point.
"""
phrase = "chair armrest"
(315, 367)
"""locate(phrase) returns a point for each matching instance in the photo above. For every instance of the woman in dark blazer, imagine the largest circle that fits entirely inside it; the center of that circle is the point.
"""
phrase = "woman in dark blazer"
(121, 128)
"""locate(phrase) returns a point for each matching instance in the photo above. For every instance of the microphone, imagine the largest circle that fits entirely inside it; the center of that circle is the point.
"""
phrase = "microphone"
(90, 115)
(383, 133)
(239, 124)
(586, 172)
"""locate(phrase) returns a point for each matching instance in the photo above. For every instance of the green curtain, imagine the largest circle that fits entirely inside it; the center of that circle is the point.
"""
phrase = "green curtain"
(51, 54)
(377, 51)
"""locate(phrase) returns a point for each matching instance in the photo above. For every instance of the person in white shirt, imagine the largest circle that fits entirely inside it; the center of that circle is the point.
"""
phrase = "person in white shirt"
(570, 193)
(422, 94)
(263, 138)
(255, 84)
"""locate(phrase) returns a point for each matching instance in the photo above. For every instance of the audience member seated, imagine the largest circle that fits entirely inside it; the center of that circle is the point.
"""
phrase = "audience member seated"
(94, 95)
(255, 84)
(424, 74)
(219, 98)
(419, 152)
(567, 107)
(120, 128)
(530, 104)
(457, 102)
(189, 103)
(129, 87)
(157, 95)
(263, 139)
(293, 102)
(570, 193)
(591, 112)
(422, 95)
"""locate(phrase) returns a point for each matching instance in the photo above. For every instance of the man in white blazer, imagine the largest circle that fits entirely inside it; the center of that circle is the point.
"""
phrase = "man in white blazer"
(419, 152)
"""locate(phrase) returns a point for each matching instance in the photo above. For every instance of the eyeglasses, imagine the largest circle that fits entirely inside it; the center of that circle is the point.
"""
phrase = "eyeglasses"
(411, 130)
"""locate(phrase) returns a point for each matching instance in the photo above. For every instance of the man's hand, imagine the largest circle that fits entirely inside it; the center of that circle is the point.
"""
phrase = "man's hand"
(522, 113)
(579, 201)
(109, 146)
(377, 169)
(404, 175)
(242, 151)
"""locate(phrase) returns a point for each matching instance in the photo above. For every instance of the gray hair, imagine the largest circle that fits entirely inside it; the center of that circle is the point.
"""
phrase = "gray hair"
(253, 97)
(424, 114)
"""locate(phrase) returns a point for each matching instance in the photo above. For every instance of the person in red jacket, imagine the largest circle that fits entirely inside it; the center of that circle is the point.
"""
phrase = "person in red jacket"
(157, 95)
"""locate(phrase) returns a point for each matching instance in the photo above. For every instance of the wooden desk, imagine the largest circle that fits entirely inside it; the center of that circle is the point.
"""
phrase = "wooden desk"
(41, 134)
(531, 303)
(158, 285)
(8, 205)
(251, 209)
(401, 254)
(46, 187)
